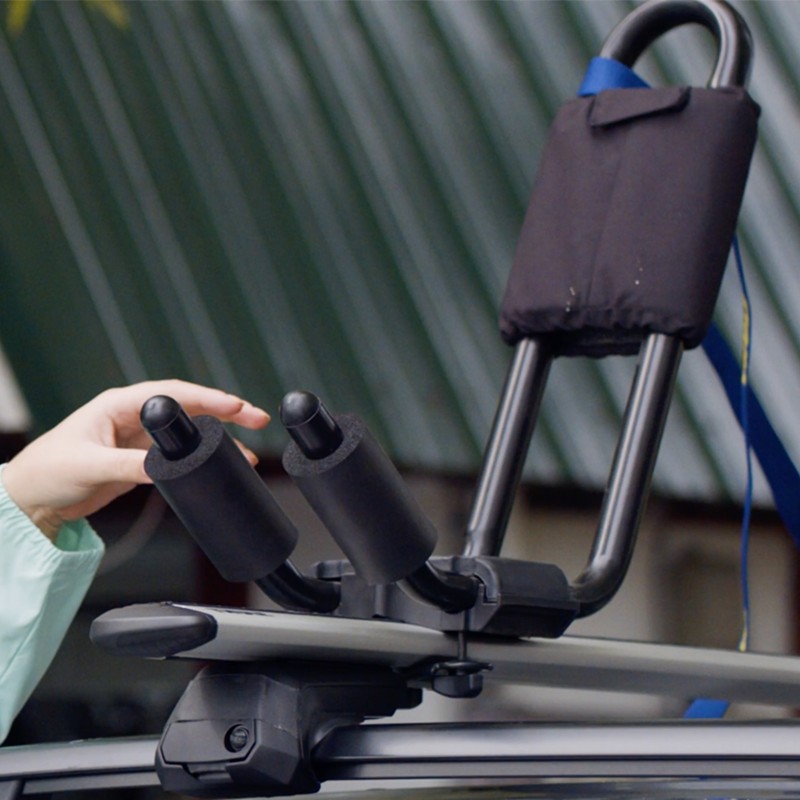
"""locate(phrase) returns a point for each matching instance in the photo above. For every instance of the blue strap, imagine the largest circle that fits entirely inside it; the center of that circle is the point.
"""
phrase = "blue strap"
(608, 73)
(706, 709)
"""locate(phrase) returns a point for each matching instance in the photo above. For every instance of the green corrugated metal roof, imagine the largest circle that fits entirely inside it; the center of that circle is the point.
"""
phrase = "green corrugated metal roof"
(265, 196)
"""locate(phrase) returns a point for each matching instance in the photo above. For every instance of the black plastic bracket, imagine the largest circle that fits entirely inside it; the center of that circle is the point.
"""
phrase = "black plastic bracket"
(244, 730)
(515, 598)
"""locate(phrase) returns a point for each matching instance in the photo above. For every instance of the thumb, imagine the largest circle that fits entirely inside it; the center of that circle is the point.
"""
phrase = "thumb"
(121, 465)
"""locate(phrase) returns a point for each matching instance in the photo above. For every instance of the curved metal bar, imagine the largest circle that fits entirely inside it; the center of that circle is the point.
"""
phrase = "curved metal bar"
(652, 19)
(288, 587)
(650, 395)
(648, 403)
(629, 480)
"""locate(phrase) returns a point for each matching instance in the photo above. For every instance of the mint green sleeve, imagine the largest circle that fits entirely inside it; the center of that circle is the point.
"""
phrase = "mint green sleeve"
(41, 588)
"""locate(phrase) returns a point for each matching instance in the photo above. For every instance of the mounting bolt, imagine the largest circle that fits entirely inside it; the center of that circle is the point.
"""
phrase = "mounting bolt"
(458, 677)
(458, 685)
(237, 738)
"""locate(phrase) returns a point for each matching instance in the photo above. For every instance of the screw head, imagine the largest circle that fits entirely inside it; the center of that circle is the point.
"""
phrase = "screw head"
(237, 738)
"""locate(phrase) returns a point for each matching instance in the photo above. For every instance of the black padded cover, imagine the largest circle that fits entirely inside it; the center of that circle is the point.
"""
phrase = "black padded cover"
(631, 219)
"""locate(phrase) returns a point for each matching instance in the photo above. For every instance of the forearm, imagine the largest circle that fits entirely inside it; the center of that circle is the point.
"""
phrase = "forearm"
(41, 588)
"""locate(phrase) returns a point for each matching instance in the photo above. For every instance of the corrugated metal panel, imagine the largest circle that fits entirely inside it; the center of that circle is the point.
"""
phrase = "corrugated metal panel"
(265, 196)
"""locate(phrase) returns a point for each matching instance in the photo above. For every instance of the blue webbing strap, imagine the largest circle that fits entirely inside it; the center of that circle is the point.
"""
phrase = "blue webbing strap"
(608, 73)
(703, 708)
(781, 474)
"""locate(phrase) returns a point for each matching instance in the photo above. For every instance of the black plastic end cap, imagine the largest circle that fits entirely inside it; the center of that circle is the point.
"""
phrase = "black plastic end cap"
(152, 630)
(170, 427)
(310, 424)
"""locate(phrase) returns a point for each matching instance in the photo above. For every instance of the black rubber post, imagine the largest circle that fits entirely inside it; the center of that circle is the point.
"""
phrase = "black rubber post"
(356, 491)
(226, 507)
(216, 494)
(170, 427)
(310, 424)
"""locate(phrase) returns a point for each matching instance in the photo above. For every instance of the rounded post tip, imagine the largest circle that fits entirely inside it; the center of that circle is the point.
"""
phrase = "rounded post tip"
(170, 427)
(310, 424)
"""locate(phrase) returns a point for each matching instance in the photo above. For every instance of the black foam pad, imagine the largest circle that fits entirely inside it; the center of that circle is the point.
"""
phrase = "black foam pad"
(362, 499)
(225, 505)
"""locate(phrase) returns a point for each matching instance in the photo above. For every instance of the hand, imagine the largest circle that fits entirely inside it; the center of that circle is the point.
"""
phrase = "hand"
(97, 453)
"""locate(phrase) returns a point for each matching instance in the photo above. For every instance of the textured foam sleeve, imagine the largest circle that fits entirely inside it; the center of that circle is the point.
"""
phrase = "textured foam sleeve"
(365, 504)
(297, 465)
(162, 469)
(225, 505)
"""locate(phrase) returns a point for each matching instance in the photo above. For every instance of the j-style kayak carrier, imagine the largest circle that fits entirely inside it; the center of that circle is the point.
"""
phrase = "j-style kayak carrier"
(622, 251)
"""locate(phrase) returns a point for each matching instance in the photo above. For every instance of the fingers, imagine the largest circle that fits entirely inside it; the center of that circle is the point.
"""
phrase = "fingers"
(123, 404)
(125, 466)
(248, 453)
(94, 465)
(228, 407)
(98, 452)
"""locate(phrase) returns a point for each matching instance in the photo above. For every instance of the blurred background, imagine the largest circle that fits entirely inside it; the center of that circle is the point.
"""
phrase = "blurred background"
(264, 196)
